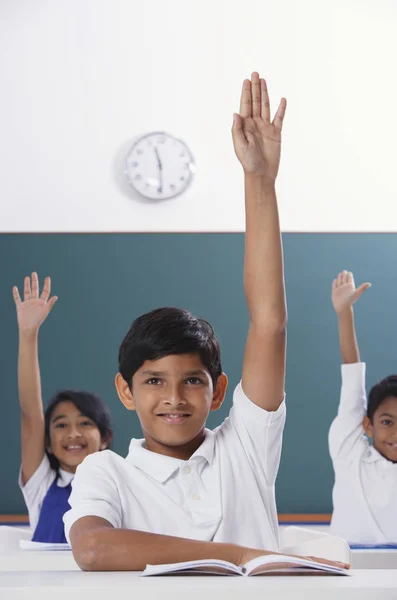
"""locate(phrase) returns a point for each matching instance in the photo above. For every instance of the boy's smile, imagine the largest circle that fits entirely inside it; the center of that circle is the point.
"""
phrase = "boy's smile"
(383, 428)
(173, 396)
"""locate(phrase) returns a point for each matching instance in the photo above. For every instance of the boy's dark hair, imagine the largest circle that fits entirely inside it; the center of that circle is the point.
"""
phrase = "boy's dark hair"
(385, 388)
(90, 406)
(166, 331)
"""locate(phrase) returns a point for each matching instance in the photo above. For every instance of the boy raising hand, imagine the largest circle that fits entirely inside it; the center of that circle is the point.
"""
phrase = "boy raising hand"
(184, 492)
(365, 491)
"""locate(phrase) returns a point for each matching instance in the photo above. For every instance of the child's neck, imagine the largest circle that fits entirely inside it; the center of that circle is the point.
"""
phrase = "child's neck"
(183, 452)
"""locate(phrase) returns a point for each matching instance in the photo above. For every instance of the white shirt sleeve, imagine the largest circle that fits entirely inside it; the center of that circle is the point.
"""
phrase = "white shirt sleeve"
(94, 493)
(35, 489)
(260, 433)
(346, 435)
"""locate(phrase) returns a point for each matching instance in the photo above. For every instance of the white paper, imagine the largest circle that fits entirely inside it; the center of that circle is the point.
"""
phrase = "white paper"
(201, 566)
(40, 546)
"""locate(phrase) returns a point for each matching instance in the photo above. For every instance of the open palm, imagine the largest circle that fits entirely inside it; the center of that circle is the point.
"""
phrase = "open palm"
(344, 291)
(34, 309)
(256, 139)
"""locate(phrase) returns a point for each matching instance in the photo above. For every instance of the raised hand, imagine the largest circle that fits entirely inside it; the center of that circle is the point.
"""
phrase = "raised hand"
(256, 139)
(344, 291)
(34, 309)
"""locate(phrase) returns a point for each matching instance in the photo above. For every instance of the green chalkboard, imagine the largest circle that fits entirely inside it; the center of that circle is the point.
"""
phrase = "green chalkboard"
(104, 281)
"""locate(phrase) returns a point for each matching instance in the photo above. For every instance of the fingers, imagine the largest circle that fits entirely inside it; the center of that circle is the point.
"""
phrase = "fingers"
(15, 293)
(51, 302)
(360, 290)
(26, 289)
(265, 102)
(35, 286)
(280, 114)
(256, 85)
(342, 278)
(254, 101)
(31, 289)
(45, 294)
(246, 100)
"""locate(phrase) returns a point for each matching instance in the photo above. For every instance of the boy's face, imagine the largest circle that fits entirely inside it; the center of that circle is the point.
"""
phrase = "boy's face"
(383, 429)
(172, 397)
(72, 436)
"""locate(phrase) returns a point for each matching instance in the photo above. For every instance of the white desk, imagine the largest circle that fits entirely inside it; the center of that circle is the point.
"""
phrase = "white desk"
(64, 585)
(64, 561)
(61, 560)
(375, 559)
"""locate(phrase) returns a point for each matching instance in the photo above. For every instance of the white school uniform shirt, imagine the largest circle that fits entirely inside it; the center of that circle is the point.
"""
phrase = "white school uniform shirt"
(36, 488)
(365, 490)
(223, 493)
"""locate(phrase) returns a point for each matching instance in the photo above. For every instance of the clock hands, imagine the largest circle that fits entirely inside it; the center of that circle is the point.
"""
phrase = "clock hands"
(160, 166)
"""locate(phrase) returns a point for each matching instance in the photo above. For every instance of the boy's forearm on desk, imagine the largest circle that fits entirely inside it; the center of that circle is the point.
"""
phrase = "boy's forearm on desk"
(109, 549)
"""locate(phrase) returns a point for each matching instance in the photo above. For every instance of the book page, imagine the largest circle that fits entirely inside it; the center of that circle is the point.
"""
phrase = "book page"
(194, 567)
(273, 564)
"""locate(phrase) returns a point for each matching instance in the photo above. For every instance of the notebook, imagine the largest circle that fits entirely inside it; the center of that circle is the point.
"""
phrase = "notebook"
(270, 564)
(29, 545)
(373, 546)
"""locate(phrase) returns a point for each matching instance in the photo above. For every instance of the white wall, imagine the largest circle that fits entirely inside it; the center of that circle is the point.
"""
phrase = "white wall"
(79, 79)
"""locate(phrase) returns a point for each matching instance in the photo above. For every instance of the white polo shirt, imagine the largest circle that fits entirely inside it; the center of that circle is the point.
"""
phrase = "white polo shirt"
(365, 491)
(36, 488)
(224, 492)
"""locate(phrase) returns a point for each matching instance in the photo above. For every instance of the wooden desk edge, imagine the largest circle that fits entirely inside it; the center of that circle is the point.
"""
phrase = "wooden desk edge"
(283, 519)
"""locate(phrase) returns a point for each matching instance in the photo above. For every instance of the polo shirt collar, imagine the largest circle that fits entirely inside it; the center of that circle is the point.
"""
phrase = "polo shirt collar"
(161, 467)
(372, 455)
(64, 478)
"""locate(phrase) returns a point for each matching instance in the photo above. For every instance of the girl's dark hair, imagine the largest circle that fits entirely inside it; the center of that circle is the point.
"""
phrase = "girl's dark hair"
(385, 388)
(90, 406)
(166, 331)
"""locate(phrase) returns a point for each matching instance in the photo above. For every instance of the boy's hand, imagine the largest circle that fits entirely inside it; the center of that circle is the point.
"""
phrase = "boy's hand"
(34, 309)
(344, 292)
(256, 139)
(248, 554)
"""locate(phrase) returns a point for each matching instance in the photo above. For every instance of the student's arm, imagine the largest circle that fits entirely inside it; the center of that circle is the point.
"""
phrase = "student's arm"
(346, 436)
(98, 546)
(31, 313)
(344, 295)
(257, 143)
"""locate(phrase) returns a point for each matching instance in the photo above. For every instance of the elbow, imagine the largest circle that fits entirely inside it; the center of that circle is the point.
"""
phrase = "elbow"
(86, 552)
(271, 318)
(275, 324)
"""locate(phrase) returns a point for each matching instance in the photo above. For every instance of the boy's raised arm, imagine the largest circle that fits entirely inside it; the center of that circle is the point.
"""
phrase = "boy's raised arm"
(257, 143)
(344, 295)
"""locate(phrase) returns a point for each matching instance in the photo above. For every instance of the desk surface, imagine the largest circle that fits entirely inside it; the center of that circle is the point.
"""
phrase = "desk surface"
(49, 575)
(64, 561)
(63, 585)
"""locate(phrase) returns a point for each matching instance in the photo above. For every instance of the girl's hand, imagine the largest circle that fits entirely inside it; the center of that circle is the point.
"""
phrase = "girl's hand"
(34, 309)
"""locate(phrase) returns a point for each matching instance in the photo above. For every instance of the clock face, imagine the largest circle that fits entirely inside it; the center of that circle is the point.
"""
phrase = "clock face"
(159, 166)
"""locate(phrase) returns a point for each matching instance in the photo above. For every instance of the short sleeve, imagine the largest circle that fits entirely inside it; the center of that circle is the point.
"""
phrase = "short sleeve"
(94, 493)
(35, 489)
(260, 432)
(346, 435)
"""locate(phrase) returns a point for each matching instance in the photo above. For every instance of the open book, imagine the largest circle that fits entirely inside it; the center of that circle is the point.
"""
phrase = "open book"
(272, 564)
